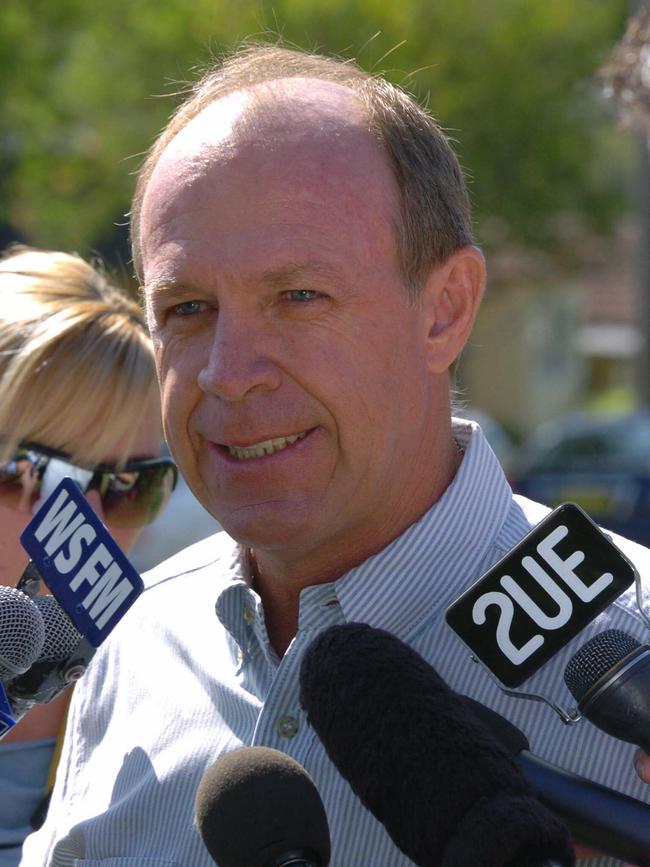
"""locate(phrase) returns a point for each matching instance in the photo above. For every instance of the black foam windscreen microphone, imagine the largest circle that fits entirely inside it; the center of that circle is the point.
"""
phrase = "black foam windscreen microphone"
(22, 633)
(447, 792)
(609, 677)
(258, 807)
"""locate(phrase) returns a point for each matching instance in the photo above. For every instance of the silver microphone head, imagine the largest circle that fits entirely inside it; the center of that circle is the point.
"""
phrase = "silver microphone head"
(595, 659)
(63, 659)
(61, 635)
(22, 632)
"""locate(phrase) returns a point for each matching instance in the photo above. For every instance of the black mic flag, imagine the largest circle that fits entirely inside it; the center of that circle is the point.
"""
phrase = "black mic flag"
(446, 791)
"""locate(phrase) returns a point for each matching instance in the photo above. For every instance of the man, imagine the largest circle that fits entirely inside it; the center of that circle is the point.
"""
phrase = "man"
(303, 235)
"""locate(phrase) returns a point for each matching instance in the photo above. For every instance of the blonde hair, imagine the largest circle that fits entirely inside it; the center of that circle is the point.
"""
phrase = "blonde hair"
(76, 362)
(435, 215)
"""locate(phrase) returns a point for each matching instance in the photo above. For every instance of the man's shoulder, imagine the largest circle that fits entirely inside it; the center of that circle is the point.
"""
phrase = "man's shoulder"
(531, 513)
(209, 554)
(522, 517)
(195, 575)
(637, 553)
(179, 595)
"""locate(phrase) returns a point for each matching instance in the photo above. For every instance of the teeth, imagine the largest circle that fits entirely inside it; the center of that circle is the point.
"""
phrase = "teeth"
(264, 448)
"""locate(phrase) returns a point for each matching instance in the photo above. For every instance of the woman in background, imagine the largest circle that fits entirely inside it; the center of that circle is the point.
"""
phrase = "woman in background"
(77, 397)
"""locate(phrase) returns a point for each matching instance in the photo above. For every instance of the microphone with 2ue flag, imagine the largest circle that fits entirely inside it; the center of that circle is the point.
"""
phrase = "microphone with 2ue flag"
(413, 778)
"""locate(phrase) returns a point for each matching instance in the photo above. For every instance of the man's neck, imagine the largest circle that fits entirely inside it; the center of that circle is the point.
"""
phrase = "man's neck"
(279, 578)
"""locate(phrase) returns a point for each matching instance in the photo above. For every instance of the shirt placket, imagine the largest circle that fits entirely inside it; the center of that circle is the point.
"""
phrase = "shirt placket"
(282, 723)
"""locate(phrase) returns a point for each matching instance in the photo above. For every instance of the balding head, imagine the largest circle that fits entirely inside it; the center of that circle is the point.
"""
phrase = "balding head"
(265, 117)
(433, 208)
(305, 134)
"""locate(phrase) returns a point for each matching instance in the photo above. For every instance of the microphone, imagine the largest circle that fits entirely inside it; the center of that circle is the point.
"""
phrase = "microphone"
(257, 807)
(22, 632)
(92, 584)
(63, 660)
(606, 820)
(609, 677)
(453, 795)
(81, 563)
(541, 595)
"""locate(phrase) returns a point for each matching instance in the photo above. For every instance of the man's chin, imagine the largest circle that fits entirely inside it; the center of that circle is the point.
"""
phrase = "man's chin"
(270, 526)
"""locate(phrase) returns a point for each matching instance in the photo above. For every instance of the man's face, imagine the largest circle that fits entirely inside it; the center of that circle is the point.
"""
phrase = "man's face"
(293, 372)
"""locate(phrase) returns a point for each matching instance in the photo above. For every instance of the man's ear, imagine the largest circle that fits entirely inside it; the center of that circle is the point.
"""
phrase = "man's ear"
(450, 300)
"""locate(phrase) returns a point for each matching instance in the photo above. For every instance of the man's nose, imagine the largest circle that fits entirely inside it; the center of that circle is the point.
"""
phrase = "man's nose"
(239, 362)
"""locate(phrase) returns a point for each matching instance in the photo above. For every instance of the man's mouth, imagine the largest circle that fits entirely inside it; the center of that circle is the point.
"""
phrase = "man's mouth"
(266, 447)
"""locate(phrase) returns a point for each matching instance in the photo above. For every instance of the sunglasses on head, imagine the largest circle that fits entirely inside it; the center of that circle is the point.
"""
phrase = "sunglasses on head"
(132, 495)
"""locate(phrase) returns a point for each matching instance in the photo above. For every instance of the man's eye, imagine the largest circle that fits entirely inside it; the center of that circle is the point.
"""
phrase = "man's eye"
(302, 295)
(187, 308)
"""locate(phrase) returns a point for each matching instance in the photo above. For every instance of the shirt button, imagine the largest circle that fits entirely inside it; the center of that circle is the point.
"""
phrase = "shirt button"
(287, 726)
(249, 614)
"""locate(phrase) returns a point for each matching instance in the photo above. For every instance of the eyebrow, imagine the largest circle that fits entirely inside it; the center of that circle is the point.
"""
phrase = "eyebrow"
(161, 284)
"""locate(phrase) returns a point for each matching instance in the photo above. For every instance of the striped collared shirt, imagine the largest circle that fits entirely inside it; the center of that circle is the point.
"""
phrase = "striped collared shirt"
(175, 686)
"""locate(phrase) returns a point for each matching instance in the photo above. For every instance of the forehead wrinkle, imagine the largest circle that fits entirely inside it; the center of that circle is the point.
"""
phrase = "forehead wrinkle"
(285, 274)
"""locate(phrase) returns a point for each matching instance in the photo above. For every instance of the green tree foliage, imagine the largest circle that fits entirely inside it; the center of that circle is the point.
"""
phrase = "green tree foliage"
(512, 80)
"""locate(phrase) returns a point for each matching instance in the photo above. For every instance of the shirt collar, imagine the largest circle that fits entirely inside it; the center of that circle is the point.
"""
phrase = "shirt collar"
(235, 604)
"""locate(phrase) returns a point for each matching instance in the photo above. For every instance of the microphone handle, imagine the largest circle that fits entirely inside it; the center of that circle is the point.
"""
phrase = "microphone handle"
(295, 862)
(295, 858)
(609, 821)
(46, 678)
